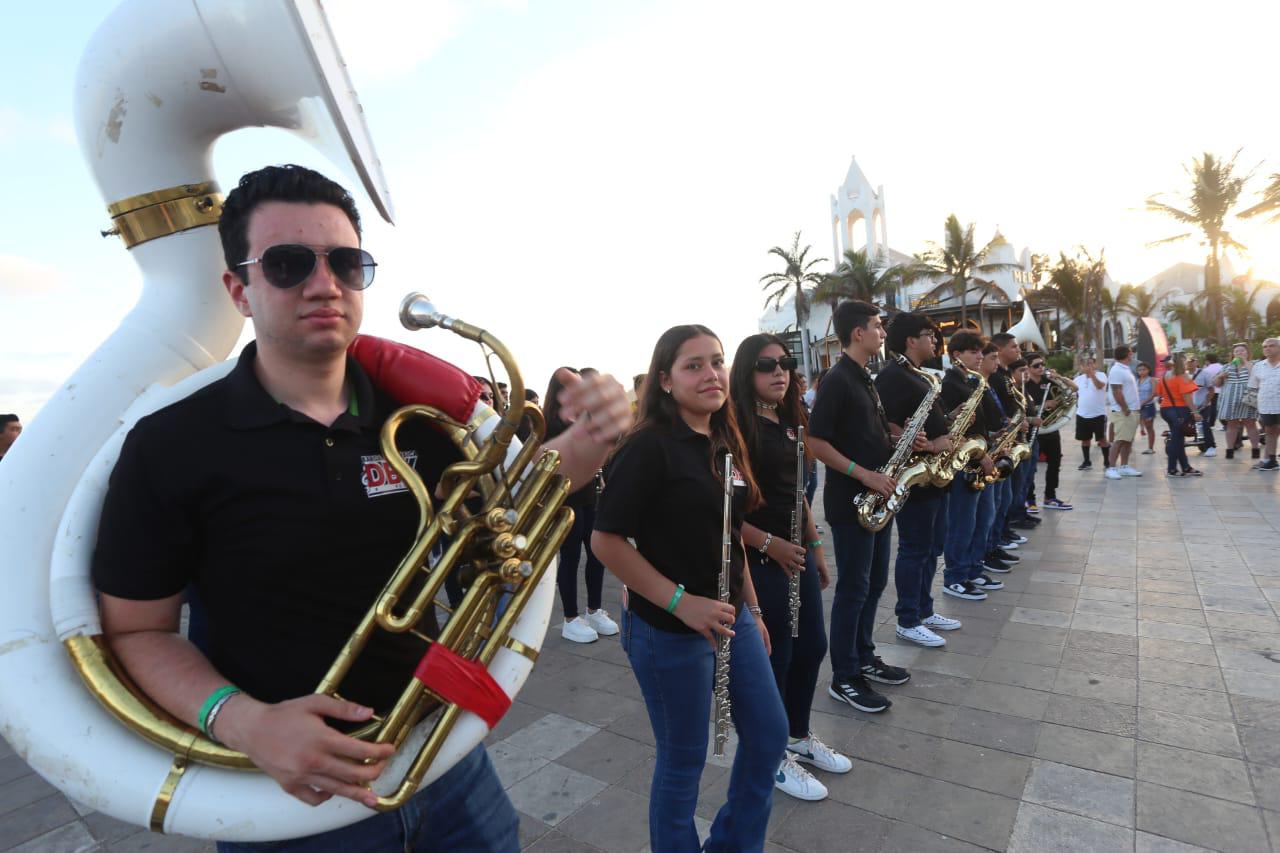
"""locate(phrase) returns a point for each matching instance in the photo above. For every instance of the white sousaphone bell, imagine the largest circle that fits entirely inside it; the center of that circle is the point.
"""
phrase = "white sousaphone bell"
(159, 83)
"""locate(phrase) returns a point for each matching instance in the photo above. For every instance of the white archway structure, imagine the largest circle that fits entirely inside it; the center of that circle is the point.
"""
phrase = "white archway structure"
(856, 204)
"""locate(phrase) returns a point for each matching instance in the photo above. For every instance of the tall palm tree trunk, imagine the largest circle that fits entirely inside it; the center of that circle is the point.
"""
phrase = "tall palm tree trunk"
(964, 304)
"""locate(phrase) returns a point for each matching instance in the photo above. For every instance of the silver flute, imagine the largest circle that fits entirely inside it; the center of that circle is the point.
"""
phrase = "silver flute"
(720, 689)
(797, 535)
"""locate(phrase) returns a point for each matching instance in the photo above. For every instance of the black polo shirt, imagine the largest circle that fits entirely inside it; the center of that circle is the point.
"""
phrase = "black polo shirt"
(957, 387)
(902, 391)
(773, 462)
(847, 415)
(1001, 383)
(289, 529)
(662, 490)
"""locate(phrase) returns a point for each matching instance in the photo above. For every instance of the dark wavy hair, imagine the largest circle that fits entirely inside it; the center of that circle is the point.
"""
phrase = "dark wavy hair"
(657, 409)
(551, 407)
(742, 390)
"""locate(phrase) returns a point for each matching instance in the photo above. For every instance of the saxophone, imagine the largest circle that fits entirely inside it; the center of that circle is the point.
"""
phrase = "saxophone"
(720, 688)
(797, 534)
(963, 451)
(875, 511)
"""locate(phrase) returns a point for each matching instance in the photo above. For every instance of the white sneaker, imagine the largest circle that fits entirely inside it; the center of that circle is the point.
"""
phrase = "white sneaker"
(795, 781)
(600, 620)
(1212, 451)
(920, 635)
(938, 622)
(1129, 471)
(1112, 474)
(576, 630)
(810, 750)
(1009, 546)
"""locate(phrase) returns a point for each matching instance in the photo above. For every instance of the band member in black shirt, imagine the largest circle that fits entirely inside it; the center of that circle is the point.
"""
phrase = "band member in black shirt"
(970, 511)
(1048, 443)
(913, 339)
(850, 435)
(663, 491)
(767, 398)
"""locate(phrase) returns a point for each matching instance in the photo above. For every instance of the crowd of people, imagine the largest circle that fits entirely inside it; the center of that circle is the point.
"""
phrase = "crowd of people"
(258, 527)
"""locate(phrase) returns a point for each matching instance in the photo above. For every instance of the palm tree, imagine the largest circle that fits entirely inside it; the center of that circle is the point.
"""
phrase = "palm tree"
(1076, 286)
(1195, 325)
(1238, 301)
(1143, 303)
(1270, 201)
(1215, 189)
(859, 276)
(797, 275)
(955, 261)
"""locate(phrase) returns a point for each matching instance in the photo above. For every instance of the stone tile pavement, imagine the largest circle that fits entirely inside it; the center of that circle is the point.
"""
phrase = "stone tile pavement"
(1121, 693)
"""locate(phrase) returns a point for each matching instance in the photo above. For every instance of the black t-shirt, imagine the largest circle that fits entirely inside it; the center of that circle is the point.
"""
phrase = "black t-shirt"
(957, 388)
(1001, 383)
(902, 391)
(662, 491)
(584, 496)
(773, 462)
(289, 529)
(847, 415)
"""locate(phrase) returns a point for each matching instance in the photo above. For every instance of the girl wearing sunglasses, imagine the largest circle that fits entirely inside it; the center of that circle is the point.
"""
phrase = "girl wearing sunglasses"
(662, 491)
(766, 395)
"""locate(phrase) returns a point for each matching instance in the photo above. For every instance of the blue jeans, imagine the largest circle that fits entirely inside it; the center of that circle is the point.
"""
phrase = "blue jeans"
(795, 660)
(916, 564)
(464, 810)
(969, 517)
(1022, 478)
(1176, 447)
(862, 572)
(1003, 499)
(675, 676)
(811, 483)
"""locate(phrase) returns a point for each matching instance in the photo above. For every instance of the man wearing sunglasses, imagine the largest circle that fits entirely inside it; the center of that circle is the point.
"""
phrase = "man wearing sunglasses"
(267, 491)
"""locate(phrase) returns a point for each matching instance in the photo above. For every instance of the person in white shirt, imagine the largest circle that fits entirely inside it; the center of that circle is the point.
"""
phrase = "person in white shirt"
(1205, 400)
(1265, 378)
(1091, 411)
(1124, 414)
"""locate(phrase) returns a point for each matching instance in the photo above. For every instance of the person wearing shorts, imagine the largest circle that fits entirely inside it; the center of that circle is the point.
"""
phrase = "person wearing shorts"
(1124, 413)
(1091, 411)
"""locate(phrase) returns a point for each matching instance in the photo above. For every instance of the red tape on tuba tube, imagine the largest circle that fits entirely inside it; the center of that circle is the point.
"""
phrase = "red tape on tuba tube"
(465, 683)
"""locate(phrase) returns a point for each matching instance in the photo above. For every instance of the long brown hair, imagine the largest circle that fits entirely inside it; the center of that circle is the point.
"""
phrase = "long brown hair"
(658, 410)
(742, 390)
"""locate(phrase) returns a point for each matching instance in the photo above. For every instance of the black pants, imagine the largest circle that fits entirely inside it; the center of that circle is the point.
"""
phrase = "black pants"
(795, 660)
(1209, 415)
(1051, 446)
(567, 573)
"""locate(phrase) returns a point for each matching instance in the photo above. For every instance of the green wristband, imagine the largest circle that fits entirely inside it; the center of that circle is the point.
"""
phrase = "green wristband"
(675, 599)
(852, 465)
(214, 698)
(817, 543)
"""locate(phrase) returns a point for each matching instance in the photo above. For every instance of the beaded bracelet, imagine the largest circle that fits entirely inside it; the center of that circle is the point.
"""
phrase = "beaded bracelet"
(215, 702)
(675, 598)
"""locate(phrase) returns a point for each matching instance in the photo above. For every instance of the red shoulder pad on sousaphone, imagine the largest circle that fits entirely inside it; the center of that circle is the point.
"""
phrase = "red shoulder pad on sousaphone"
(412, 376)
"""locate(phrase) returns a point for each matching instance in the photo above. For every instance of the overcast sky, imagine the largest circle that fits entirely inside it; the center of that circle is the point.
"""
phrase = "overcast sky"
(578, 176)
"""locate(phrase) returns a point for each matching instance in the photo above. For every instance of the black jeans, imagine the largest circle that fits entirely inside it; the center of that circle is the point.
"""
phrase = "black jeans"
(1176, 446)
(862, 572)
(567, 572)
(1209, 414)
(795, 660)
(1051, 446)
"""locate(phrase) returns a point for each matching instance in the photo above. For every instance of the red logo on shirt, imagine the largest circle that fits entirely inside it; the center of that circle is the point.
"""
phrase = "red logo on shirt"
(379, 478)
(738, 479)
(791, 433)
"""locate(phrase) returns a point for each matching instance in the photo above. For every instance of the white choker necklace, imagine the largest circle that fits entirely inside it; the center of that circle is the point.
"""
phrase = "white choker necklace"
(768, 407)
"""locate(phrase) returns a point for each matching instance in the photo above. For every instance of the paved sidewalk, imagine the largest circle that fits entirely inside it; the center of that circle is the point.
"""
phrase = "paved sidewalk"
(1121, 693)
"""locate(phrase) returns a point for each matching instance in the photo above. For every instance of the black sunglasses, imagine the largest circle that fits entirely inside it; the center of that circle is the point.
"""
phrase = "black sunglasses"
(289, 265)
(768, 365)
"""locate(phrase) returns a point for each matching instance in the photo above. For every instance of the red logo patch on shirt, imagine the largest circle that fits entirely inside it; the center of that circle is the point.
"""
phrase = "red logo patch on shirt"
(738, 479)
(791, 434)
(379, 478)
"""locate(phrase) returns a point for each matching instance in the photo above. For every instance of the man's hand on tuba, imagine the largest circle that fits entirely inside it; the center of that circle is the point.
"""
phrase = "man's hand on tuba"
(597, 406)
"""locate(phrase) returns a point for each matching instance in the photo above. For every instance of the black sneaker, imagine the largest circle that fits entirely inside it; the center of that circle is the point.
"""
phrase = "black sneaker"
(986, 584)
(1018, 540)
(1005, 557)
(857, 693)
(880, 671)
(1084, 466)
(1269, 465)
(965, 590)
(991, 564)
(1255, 453)
(1024, 524)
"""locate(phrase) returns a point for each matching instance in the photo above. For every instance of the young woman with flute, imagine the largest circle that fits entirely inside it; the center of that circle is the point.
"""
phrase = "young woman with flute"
(664, 492)
(783, 547)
